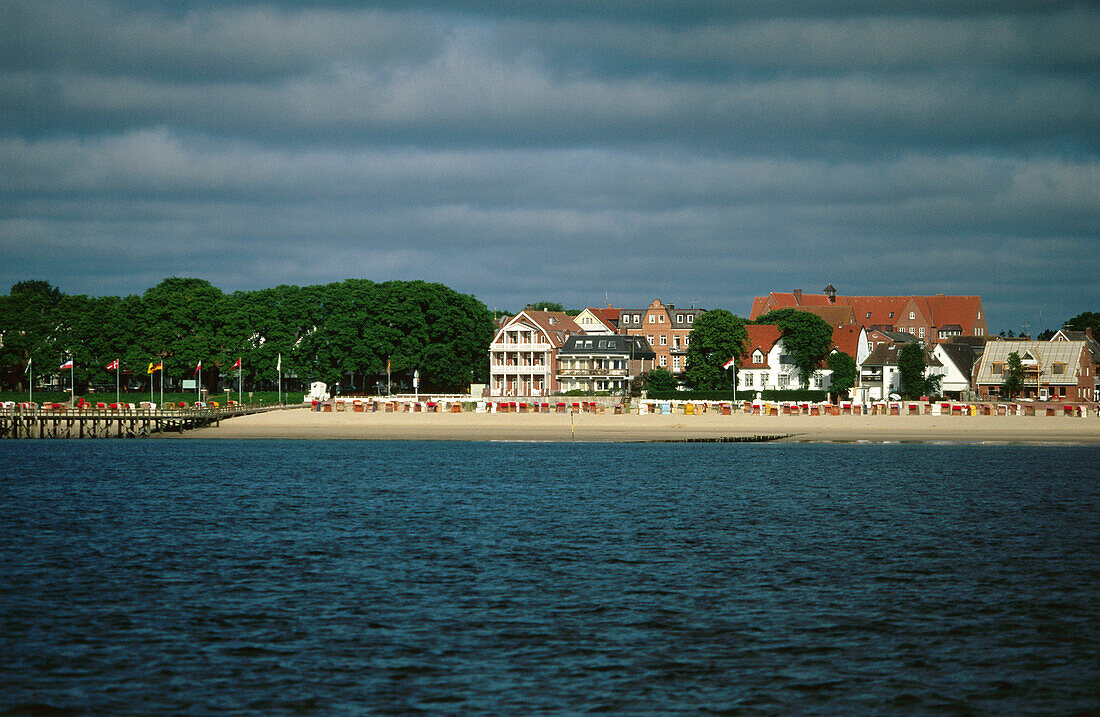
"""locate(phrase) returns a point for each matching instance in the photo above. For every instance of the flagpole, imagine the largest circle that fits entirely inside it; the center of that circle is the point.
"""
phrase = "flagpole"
(30, 384)
(118, 382)
(72, 385)
(150, 385)
(240, 384)
(162, 385)
(279, 368)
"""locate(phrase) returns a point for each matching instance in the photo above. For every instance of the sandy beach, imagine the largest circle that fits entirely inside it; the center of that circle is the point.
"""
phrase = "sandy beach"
(306, 424)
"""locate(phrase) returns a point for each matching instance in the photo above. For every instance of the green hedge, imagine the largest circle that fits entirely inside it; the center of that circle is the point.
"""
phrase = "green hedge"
(800, 395)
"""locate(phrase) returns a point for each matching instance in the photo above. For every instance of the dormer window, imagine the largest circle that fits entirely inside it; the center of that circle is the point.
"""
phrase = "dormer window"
(891, 314)
(757, 356)
(912, 315)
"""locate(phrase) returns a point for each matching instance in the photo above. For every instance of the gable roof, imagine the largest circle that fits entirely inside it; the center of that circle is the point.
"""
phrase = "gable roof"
(762, 337)
(962, 355)
(557, 326)
(1045, 352)
(602, 315)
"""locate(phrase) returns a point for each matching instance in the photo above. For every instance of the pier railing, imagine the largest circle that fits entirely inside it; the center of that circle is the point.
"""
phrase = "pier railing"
(83, 422)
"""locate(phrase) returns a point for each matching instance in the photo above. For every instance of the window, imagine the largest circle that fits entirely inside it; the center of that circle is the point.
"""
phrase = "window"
(922, 332)
(679, 318)
(870, 347)
(868, 314)
(664, 360)
(763, 379)
(757, 356)
(649, 338)
(652, 319)
(978, 331)
(891, 314)
(784, 380)
(664, 339)
(979, 315)
(998, 368)
(912, 315)
(626, 318)
(675, 342)
(1058, 368)
(691, 318)
(660, 318)
(675, 363)
(687, 340)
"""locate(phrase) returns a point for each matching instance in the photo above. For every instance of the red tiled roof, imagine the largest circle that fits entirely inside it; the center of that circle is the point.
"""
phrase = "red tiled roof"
(846, 339)
(558, 325)
(761, 337)
(609, 313)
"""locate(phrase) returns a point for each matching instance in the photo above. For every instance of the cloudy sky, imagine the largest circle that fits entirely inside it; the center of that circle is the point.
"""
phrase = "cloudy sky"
(567, 150)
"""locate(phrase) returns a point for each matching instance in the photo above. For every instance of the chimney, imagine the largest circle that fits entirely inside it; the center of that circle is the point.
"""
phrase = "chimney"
(1088, 331)
(798, 297)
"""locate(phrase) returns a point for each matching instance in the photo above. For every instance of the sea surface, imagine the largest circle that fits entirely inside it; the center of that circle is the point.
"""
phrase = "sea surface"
(315, 577)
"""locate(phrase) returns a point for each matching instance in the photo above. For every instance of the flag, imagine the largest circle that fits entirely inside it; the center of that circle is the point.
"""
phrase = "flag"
(236, 365)
(28, 370)
(279, 363)
(155, 366)
(729, 363)
(113, 366)
(67, 364)
(198, 369)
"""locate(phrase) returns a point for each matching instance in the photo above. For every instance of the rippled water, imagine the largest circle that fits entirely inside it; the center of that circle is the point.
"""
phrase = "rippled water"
(304, 577)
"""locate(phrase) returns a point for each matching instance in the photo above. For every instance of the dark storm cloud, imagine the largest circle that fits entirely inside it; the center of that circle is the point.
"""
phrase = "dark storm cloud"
(557, 150)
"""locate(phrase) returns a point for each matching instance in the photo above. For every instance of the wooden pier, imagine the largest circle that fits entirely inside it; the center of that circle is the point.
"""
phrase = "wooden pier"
(110, 423)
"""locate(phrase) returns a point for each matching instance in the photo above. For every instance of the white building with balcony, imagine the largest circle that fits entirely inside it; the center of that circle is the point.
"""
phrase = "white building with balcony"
(523, 356)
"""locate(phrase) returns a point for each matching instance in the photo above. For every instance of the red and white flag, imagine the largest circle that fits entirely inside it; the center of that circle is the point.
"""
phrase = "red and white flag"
(236, 365)
(67, 364)
(113, 366)
(198, 369)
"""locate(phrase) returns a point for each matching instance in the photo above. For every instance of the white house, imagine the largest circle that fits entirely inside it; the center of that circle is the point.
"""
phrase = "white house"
(765, 366)
(958, 365)
(523, 353)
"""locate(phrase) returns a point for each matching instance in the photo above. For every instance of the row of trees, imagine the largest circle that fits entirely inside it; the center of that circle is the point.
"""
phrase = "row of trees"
(325, 332)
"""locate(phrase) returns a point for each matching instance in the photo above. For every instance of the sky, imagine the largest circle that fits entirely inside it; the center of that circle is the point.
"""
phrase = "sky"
(700, 153)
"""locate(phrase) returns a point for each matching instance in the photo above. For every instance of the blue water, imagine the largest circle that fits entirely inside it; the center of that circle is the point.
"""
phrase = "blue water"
(305, 577)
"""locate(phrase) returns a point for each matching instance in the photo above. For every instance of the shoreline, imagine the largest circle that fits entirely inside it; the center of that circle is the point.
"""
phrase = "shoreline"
(304, 424)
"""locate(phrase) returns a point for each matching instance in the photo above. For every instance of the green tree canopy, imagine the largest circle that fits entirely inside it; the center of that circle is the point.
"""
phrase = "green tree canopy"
(1085, 320)
(1013, 382)
(807, 338)
(717, 337)
(844, 371)
(321, 332)
(911, 365)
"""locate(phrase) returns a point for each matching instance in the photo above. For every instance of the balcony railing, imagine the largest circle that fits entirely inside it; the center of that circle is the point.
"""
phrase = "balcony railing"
(593, 372)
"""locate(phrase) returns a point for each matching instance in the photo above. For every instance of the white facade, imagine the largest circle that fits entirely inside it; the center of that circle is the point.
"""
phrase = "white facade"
(779, 374)
(954, 381)
(592, 324)
(521, 359)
